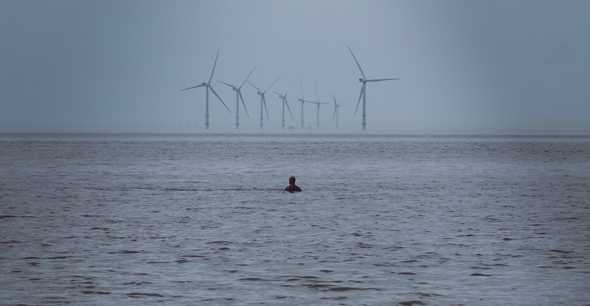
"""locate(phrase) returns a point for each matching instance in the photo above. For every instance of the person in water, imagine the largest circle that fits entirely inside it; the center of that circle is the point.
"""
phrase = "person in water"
(292, 187)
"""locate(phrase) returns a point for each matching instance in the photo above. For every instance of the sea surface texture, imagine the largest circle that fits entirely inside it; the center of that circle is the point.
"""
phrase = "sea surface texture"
(382, 220)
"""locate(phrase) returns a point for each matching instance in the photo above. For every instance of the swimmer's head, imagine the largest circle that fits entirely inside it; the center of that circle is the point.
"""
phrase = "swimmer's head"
(292, 180)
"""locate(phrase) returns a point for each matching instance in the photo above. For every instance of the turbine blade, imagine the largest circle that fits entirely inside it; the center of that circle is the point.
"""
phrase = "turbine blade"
(272, 84)
(214, 66)
(226, 84)
(243, 103)
(359, 100)
(265, 108)
(380, 80)
(218, 97)
(315, 102)
(247, 77)
(196, 86)
(253, 86)
(357, 62)
(335, 108)
(289, 109)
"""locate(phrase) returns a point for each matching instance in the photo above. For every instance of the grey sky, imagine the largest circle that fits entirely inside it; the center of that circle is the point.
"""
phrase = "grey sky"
(465, 66)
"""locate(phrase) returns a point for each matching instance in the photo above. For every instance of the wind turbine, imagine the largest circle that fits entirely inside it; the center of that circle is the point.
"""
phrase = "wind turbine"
(363, 93)
(284, 103)
(208, 87)
(302, 101)
(262, 94)
(301, 112)
(336, 114)
(317, 104)
(317, 114)
(239, 97)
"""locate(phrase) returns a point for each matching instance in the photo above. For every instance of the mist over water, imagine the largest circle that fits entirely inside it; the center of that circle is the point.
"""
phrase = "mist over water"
(382, 220)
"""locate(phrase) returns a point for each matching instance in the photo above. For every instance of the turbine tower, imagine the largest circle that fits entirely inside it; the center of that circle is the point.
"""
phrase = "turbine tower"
(262, 94)
(336, 114)
(301, 112)
(284, 103)
(302, 101)
(208, 87)
(239, 97)
(363, 94)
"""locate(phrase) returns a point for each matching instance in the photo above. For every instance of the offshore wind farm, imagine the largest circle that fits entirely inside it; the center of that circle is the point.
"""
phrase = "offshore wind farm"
(263, 106)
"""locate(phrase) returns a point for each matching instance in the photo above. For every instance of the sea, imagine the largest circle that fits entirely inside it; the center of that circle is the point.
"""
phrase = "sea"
(202, 219)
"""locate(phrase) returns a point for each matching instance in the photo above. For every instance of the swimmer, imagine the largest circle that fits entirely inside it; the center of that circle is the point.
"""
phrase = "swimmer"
(292, 187)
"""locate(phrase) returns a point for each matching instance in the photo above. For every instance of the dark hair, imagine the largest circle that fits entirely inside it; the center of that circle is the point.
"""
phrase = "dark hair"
(292, 180)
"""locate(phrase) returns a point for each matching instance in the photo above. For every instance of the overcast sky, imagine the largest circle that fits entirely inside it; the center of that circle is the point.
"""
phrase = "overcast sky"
(483, 66)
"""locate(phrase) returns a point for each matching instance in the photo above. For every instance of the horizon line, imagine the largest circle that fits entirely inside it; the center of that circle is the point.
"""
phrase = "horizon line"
(294, 132)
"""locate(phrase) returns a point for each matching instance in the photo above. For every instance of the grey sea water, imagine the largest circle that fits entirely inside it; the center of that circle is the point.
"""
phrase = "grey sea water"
(382, 220)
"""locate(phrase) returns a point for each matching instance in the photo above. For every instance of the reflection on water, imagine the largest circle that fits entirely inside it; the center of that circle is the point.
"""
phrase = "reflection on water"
(382, 220)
